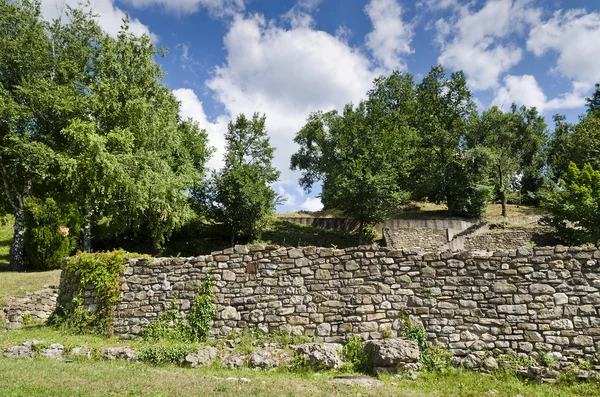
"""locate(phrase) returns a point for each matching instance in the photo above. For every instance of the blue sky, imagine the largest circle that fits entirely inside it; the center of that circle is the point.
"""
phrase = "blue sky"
(287, 58)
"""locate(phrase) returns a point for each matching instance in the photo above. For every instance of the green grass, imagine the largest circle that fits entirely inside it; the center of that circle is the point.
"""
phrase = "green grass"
(6, 233)
(17, 283)
(39, 377)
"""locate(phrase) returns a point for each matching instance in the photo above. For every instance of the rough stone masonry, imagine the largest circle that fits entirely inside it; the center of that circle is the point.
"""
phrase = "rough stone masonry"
(530, 300)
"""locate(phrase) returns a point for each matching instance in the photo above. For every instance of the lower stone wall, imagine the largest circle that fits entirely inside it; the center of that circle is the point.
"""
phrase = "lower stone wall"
(530, 300)
(418, 238)
(511, 238)
(39, 305)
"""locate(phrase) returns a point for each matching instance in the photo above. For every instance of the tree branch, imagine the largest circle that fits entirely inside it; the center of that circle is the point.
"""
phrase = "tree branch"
(7, 186)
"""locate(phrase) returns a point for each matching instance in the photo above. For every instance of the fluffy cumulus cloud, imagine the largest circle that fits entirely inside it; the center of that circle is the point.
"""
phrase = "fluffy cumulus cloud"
(110, 17)
(287, 73)
(525, 90)
(391, 36)
(575, 36)
(217, 8)
(191, 107)
(479, 41)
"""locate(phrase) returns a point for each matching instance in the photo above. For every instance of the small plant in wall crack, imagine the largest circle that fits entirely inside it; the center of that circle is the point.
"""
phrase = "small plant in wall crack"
(195, 328)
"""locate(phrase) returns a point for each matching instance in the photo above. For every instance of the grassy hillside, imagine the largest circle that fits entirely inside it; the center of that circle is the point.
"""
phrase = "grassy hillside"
(422, 210)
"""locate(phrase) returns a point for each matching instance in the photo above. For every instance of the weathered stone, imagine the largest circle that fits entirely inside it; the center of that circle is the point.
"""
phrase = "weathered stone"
(504, 288)
(541, 289)
(121, 353)
(392, 352)
(362, 381)
(489, 363)
(563, 323)
(321, 355)
(230, 313)
(202, 357)
(583, 340)
(18, 352)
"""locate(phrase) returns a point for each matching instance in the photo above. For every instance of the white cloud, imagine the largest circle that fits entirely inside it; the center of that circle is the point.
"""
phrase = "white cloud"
(438, 4)
(391, 37)
(286, 74)
(217, 8)
(191, 107)
(575, 35)
(525, 90)
(110, 17)
(312, 204)
(476, 41)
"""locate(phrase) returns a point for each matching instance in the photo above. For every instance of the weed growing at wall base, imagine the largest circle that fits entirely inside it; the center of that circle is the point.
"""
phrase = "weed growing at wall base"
(195, 328)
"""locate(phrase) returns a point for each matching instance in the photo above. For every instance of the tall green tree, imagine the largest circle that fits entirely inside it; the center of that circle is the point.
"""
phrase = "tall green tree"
(444, 108)
(354, 155)
(38, 96)
(138, 157)
(86, 120)
(241, 194)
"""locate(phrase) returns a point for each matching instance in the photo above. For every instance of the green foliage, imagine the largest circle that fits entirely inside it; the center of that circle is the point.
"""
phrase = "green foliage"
(103, 272)
(160, 354)
(469, 185)
(357, 155)
(576, 207)
(51, 233)
(195, 328)
(356, 355)
(510, 363)
(202, 312)
(240, 194)
(545, 359)
(433, 358)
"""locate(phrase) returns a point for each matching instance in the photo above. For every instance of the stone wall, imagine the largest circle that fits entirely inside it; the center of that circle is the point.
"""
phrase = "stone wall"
(523, 301)
(39, 305)
(418, 238)
(511, 238)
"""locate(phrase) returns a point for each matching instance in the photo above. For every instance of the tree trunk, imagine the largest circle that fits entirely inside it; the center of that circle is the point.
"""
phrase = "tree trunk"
(87, 231)
(502, 191)
(18, 243)
(232, 236)
(360, 232)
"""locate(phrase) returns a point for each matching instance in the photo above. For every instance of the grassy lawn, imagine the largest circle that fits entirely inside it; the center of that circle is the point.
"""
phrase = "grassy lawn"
(84, 377)
(6, 233)
(39, 377)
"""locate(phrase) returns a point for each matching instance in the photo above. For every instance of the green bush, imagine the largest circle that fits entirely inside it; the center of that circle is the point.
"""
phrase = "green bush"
(355, 354)
(433, 358)
(576, 207)
(103, 271)
(51, 233)
(160, 354)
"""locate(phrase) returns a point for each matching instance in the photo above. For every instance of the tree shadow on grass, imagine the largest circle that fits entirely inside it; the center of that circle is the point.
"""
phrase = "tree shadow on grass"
(5, 253)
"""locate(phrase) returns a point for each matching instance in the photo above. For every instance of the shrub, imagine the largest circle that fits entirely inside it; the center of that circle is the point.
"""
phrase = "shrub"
(51, 233)
(159, 354)
(103, 271)
(433, 358)
(576, 207)
(355, 354)
(195, 328)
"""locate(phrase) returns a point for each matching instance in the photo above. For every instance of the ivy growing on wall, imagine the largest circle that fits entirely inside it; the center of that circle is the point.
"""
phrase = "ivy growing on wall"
(195, 328)
(103, 272)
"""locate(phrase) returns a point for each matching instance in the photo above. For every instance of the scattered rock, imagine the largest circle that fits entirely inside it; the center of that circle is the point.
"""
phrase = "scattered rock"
(363, 381)
(392, 352)
(18, 352)
(269, 358)
(113, 353)
(490, 363)
(321, 355)
(81, 352)
(202, 357)
(230, 360)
